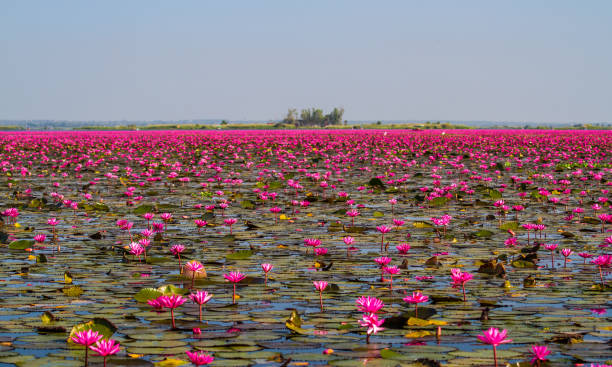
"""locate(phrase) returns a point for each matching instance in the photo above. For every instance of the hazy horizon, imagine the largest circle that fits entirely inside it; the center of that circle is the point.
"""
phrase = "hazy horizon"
(522, 61)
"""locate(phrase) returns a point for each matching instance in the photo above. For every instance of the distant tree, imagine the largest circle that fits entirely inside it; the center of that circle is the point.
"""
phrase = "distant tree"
(224, 122)
(291, 117)
(314, 116)
(335, 116)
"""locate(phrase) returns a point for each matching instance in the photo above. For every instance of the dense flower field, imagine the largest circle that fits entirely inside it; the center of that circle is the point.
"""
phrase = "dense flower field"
(295, 248)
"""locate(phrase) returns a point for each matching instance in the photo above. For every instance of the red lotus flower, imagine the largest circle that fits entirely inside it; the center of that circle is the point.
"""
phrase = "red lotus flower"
(373, 324)
(266, 269)
(416, 298)
(201, 298)
(460, 278)
(369, 304)
(539, 353)
(320, 286)
(494, 337)
(234, 277)
(199, 358)
(173, 301)
(106, 348)
(86, 338)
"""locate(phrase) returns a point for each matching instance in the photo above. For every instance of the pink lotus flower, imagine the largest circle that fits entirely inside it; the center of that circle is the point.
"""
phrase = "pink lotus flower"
(369, 304)
(348, 241)
(566, 252)
(230, 222)
(86, 338)
(584, 256)
(136, 249)
(352, 214)
(266, 269)
(176, 250)
(234, 277)
(173, 301)
(416, 298)
(551, 247)
(320, 251)
(166, 217)
(275, 210)
(403, 248)
(199, 358)
(311, 242)
(460, 278)
(539, 353)
(200, 224)
(105, 348)
(382, 262)
(391, 270)
(373, 324)
(383, 229)
(602, 261)
(398, 222)
(194, 267)
(494, 337)
(40, 238)
(201, 298)
(156, 303)
(320, 286)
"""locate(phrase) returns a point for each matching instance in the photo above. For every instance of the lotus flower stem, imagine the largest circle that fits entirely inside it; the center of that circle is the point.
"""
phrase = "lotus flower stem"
(321, 300)
(495, 355)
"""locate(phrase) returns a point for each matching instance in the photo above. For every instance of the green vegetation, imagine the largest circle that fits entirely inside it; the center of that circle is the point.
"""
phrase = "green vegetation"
(314, 117)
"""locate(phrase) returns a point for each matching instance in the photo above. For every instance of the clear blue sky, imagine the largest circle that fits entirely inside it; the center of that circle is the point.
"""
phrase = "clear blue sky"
(545, 61)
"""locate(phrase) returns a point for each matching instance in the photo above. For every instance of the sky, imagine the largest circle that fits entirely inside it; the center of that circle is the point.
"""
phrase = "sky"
(539, 61)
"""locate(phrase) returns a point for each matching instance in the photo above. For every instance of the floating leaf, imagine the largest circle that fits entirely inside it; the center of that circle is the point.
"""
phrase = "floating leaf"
(247, 204)
(21, 244)
(389, 354)
(147, 294)
(74, 291)
(509, 225)
(439, 201)
(495, 194)
(413, 321)
(418, 334)
(294, 323)
(239, 255)
(523, 264)
(376, 182)
(144, 208)
(101, 325)
(484, 233)
(170, 362)
(171, 289)
(47, 317)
